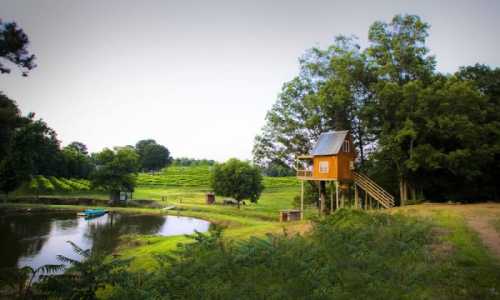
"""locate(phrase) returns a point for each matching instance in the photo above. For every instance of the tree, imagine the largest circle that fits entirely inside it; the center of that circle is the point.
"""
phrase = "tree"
(10, 119)
(153, 156)
(77, 164)
(39, 146)
(33, 149)
(330, 93)
(401, 61)
(79, 147)
(238, 180)
(13, 48)
(116, 171)
(141, 145)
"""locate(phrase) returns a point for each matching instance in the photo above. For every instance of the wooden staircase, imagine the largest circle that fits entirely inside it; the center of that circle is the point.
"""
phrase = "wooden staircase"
(374, 190)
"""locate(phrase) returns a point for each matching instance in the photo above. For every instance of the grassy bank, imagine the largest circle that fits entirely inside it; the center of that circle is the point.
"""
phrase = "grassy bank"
(350, 255)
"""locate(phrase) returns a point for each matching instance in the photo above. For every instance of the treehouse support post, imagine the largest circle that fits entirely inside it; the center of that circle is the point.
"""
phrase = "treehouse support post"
(302, 200)
(337, 202)
(322, 196)
(331, 197)
(366, 200)
(356, 196)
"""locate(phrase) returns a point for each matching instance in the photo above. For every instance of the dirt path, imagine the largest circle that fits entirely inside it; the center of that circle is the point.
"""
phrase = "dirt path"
(479, 217)
(482, 225)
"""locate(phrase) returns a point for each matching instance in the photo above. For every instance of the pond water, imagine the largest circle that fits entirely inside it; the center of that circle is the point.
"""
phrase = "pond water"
(35, 239)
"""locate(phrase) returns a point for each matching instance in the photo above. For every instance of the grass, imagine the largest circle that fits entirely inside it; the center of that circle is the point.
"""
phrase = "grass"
(496, 224)
(456, 253)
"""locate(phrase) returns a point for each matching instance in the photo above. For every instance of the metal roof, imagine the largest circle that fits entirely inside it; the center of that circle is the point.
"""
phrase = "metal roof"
(329, 143)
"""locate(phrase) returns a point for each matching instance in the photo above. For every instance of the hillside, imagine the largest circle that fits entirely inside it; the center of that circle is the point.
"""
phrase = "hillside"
(198, 176)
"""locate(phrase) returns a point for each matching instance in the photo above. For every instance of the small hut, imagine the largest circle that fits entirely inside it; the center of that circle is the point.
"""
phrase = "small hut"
(332, 160)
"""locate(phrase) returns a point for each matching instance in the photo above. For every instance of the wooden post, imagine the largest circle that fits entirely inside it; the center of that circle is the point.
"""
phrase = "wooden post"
(366, 200)
(337, 203)
(331, 197)
(322, 196)
(356, 196)
(302, 200)
(342, 198)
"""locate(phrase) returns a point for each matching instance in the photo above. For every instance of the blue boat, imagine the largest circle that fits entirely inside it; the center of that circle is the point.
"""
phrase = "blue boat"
(93, 213)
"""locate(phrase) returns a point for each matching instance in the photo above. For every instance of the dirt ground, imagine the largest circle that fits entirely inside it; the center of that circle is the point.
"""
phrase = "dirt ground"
(479, 217)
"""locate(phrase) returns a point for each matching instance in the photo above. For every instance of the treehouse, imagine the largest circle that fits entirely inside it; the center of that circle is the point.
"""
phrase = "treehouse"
(332, 160)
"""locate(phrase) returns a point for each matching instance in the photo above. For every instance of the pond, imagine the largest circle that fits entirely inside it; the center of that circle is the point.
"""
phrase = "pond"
(35, 239)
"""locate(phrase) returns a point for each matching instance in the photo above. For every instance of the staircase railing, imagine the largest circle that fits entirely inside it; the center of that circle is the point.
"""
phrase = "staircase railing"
(374, 190)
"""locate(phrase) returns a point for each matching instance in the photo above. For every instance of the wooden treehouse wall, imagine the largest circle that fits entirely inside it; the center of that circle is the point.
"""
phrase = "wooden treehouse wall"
(332, 167)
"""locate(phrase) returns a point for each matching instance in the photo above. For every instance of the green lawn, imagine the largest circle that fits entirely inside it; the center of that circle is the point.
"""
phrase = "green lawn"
(458, 249)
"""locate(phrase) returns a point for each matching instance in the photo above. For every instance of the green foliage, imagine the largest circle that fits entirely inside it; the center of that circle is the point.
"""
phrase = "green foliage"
(44, 184)
(153, 156)
(19, 283)
(84, 278)
(60, 185)
(77, 184)
(349, 255)
(408, 122)
(48, 185)
(185, 161)
(77, 162)
(13, 48)
(237, 179)
(177, 176)
(116, 170)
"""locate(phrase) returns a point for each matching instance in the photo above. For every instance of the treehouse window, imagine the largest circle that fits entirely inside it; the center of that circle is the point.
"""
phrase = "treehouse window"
(346, 146)
(323, 167)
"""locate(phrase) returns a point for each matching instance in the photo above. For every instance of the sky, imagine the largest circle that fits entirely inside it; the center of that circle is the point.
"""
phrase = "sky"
(200, 76)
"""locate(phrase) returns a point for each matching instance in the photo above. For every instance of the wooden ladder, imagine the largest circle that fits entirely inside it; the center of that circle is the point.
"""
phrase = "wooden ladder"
(374, 190)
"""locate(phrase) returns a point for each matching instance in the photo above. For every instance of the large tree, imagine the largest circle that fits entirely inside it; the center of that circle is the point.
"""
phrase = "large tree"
(13, 48)
(33, 149)
(328, 94)
(153, 156)
(116, 171)
(10, 119)
(408, 121)
(238, 180)
(77, 161)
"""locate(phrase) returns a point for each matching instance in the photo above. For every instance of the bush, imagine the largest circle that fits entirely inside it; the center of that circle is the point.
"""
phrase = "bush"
(350, 255)
(60, 185)
(44, 184)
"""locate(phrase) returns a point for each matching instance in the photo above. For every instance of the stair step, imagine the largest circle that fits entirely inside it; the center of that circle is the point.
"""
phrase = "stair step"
(374, 190)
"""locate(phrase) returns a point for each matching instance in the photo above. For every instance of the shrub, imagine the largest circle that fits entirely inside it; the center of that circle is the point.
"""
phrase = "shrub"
(350, 255)
(60, 185)
(44, 184)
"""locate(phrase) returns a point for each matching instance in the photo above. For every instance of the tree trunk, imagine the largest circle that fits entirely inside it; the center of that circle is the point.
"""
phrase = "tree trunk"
(361, 150)
(402, 191)
(238, 203)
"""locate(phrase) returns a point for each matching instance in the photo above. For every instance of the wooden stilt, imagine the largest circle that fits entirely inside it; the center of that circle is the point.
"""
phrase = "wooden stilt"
(302, 200)
(341, 197)
(337, 200)
(322, 196)
(366, 200)
(331, 197)
(356, 196)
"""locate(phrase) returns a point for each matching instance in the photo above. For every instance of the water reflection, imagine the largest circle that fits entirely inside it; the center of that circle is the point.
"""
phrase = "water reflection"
(36, 239)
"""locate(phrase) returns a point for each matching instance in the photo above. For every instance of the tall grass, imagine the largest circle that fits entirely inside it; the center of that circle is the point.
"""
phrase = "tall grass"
(349, 255)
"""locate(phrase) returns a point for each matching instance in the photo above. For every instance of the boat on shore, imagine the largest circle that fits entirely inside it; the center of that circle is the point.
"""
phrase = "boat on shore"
(93, 213)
